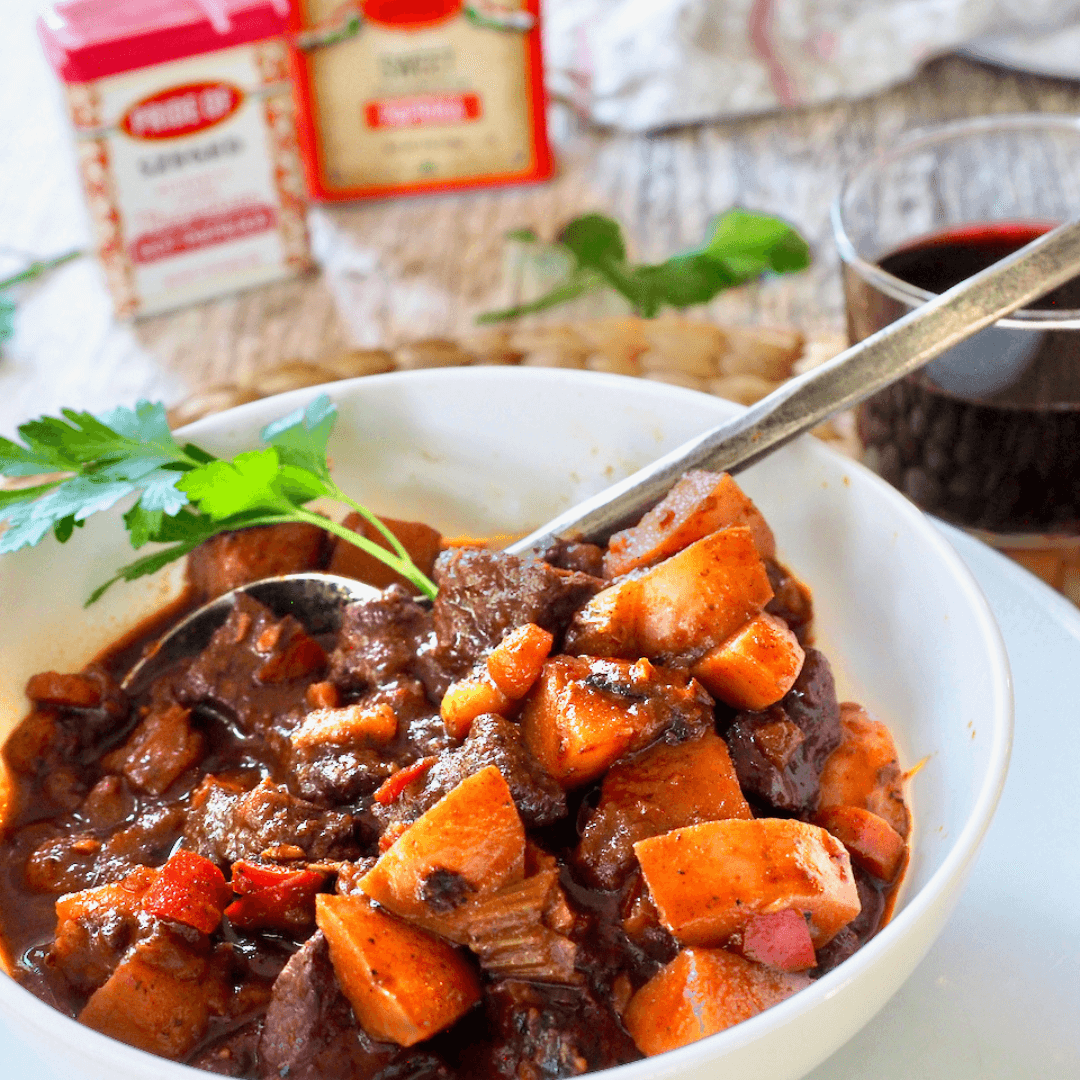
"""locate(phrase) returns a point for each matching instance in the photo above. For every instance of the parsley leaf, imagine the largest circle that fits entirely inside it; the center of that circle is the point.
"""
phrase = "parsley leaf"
(180, 495)
(7, 317)
(225, 488)
(301, 437)
(741, 246)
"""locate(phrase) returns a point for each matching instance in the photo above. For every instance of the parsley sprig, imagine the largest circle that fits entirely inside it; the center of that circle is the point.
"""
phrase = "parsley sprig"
(185, 495)
(742, 245)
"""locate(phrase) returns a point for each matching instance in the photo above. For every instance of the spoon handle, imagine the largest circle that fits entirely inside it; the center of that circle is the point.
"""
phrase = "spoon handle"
(806, 400)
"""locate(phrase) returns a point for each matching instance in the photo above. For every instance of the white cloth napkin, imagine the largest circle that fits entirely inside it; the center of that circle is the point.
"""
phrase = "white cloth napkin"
(644, 64)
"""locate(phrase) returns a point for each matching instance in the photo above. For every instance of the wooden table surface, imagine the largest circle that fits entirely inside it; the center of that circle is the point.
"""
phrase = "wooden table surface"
(394, 271)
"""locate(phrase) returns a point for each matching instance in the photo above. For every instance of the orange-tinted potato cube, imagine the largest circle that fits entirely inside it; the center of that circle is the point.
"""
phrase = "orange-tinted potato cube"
(664, 787)
(403, 983)
(755, 667)
(699, 504)
(701, 992)
(871, 841)
(584, 713)
(687, 604)
(864, 771)
(473, 834)
(708, 880)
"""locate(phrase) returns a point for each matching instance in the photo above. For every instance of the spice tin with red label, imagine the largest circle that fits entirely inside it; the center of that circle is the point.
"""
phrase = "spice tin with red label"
(406, 96)
(184, 115)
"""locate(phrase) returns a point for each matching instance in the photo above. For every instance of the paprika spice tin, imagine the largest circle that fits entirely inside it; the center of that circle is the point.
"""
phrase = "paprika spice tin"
(405, 96)
(184, 119)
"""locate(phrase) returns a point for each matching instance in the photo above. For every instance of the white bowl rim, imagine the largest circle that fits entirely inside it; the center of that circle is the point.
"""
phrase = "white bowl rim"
(953, 867)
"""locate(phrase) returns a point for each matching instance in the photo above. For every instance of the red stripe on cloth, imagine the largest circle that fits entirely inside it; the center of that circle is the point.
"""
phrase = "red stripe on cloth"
(759, 25)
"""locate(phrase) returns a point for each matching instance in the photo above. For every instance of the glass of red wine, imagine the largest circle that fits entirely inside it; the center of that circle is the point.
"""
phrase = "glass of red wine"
(988, 435)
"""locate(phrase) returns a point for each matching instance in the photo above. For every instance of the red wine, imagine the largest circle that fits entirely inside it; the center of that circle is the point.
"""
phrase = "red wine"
(988, 436)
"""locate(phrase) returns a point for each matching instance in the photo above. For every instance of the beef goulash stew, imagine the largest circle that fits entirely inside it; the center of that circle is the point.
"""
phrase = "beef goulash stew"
(585, 807)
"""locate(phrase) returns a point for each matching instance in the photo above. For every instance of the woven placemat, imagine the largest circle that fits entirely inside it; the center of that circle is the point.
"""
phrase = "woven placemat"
(742, 364)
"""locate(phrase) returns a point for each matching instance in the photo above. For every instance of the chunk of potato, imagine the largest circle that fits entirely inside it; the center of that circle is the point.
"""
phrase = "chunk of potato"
(403, 983)
(699, 504)
(515, 663)
(164, 1009)
(871, 841)
(864, 771)
(663, 788)
(701, 992)
(708, 880)
(352, 725)
(687, 604)
(507, 675)
(469, 698)
(472, 836)
(755, 667)
(584, 713)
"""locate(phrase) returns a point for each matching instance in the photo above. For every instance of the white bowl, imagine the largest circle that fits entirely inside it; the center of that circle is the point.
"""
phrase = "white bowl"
(487, 450)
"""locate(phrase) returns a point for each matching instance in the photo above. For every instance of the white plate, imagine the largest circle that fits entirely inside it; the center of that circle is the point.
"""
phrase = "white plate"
(998, 996)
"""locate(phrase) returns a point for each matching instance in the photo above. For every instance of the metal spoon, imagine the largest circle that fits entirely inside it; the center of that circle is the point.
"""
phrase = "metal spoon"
(801, 403)
(315, 600)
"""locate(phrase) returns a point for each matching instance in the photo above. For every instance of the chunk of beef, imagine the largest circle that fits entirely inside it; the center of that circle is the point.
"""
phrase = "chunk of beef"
(255, 670)
(792, 601)
(340, 776)
(574, 555)
(72, 861)
(232, 559)
(159, 750)
(492, 741)
(342, 770)
(310, 1032)
(237, 1054)
(421, 541)
(860, 930)
(226, 823)
(96, 927)
(73, 715)
(107, 804)
(378, 640)
(779, 753)
(485, 594)
(544, 1032)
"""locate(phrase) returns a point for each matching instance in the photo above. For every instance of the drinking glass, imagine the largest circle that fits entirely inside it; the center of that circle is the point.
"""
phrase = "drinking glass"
(988, 435)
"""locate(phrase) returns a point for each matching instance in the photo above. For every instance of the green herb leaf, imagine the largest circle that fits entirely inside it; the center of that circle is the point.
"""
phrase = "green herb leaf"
(184, 494)
(741, 246)
(149, 564)
(301, 437)
(29, 521)
(223, 489)
(750, 244)
(7, 317)
(594, 240)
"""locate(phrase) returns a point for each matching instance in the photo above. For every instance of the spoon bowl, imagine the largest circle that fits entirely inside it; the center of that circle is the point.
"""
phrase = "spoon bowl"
(316, 601)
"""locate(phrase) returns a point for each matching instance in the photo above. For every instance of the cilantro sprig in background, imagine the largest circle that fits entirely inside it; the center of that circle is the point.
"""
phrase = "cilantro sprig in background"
(742, 245)
(185, 495)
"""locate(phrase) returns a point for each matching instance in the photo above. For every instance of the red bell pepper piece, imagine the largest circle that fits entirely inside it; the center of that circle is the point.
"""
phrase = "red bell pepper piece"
(190, 890)
(273, 897)
(394, 785)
